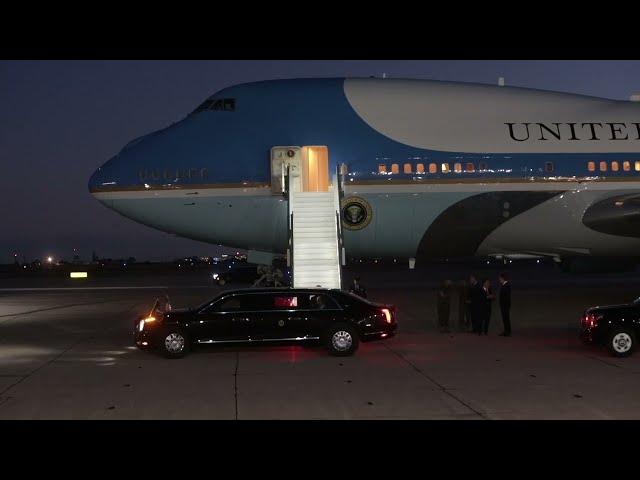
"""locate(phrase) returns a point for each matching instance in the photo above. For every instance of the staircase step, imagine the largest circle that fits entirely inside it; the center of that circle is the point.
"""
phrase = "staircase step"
(316, 279)
(297, 195)
(306, 235)
(300, 272)
(301, 213)
(310, 205)
(316, 283)
(304, 210)
(310, 247)
(325, 260)
(323, 254)
(324, 220)
(319, 222)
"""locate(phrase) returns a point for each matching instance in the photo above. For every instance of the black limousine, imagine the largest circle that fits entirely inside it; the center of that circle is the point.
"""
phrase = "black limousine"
(339, 319)
(615, 326)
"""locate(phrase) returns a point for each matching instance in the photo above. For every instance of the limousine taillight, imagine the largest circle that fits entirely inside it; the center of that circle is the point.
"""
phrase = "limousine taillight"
(388, 314)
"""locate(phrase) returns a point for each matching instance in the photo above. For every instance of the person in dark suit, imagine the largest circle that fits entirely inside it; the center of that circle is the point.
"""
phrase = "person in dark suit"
(444, 306)
(505, 304)
(357, 288)
(464, 306)
(477, 304)
(488, 298)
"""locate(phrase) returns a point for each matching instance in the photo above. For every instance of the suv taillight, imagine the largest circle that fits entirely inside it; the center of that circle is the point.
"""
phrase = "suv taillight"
(387, 314)
(590, 319)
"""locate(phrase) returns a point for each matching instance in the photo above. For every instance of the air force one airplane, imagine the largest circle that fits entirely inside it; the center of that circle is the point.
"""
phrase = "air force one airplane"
(419, 169)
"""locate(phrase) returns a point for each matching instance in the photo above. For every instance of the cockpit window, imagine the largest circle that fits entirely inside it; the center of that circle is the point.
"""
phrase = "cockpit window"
(226, 104)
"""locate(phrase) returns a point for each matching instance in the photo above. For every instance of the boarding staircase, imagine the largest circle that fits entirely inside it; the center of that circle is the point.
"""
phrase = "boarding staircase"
(316, 251)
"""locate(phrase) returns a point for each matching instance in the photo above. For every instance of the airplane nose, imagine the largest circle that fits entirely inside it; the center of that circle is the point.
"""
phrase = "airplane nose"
(95, 180)
(102, 182)
(101, 178)
(123, 169)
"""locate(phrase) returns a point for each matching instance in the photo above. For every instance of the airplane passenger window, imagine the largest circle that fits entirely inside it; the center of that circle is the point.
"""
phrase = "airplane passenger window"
(395, 168)
(626, 166)
(482, 167)
(457, 168)
(470, 168)
(548, 166)
(382, 168)
(591, 166)
(433, 168)
(614, 166)
(637, 166)
(420, 168)
(407, 168)
(603, 166)
(445, 168)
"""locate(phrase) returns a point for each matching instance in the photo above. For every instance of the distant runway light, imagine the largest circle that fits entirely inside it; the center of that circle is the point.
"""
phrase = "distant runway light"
(78, 274)
(49, 259)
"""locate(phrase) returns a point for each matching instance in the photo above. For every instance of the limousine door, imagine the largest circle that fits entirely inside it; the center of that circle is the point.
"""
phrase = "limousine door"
(229, 319)
(291, 316)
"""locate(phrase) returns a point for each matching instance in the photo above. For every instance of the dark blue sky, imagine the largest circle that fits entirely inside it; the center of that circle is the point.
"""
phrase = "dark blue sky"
(60, 120)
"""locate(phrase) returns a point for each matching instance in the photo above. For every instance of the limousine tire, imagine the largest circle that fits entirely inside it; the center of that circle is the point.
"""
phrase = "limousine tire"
(621, 342)
(173, 343)
(342, 340)
(221, 281)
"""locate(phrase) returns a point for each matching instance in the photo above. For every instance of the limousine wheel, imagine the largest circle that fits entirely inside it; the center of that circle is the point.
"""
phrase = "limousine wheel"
(221, 281)
(621, 342)
(342, 340)
(173, 343)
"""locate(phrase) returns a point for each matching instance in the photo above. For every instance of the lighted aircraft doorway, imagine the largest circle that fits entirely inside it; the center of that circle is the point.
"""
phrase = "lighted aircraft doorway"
(315, 169)
(308, 168)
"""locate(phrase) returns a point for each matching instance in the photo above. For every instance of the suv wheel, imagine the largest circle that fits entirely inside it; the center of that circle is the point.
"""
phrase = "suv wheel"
(342, 340)
(173, 343)
(621, 342)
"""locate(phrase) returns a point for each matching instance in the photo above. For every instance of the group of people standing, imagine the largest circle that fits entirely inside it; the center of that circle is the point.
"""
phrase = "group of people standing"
(475, 305)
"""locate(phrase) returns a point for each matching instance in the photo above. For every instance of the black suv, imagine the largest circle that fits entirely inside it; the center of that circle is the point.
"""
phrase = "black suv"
(337, 318)
(614, 326)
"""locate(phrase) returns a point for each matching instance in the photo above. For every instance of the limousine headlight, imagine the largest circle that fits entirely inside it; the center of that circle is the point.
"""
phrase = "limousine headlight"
(144, 321)
(215, 276)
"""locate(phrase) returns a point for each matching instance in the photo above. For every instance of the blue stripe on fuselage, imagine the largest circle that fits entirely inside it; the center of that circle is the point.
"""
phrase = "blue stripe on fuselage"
(234, 146)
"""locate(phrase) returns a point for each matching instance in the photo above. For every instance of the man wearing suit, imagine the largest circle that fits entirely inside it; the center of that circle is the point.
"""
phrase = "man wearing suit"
(505, 304)
(477, 305)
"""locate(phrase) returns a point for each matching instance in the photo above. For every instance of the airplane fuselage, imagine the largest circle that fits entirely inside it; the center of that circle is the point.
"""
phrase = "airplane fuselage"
(443, 169)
